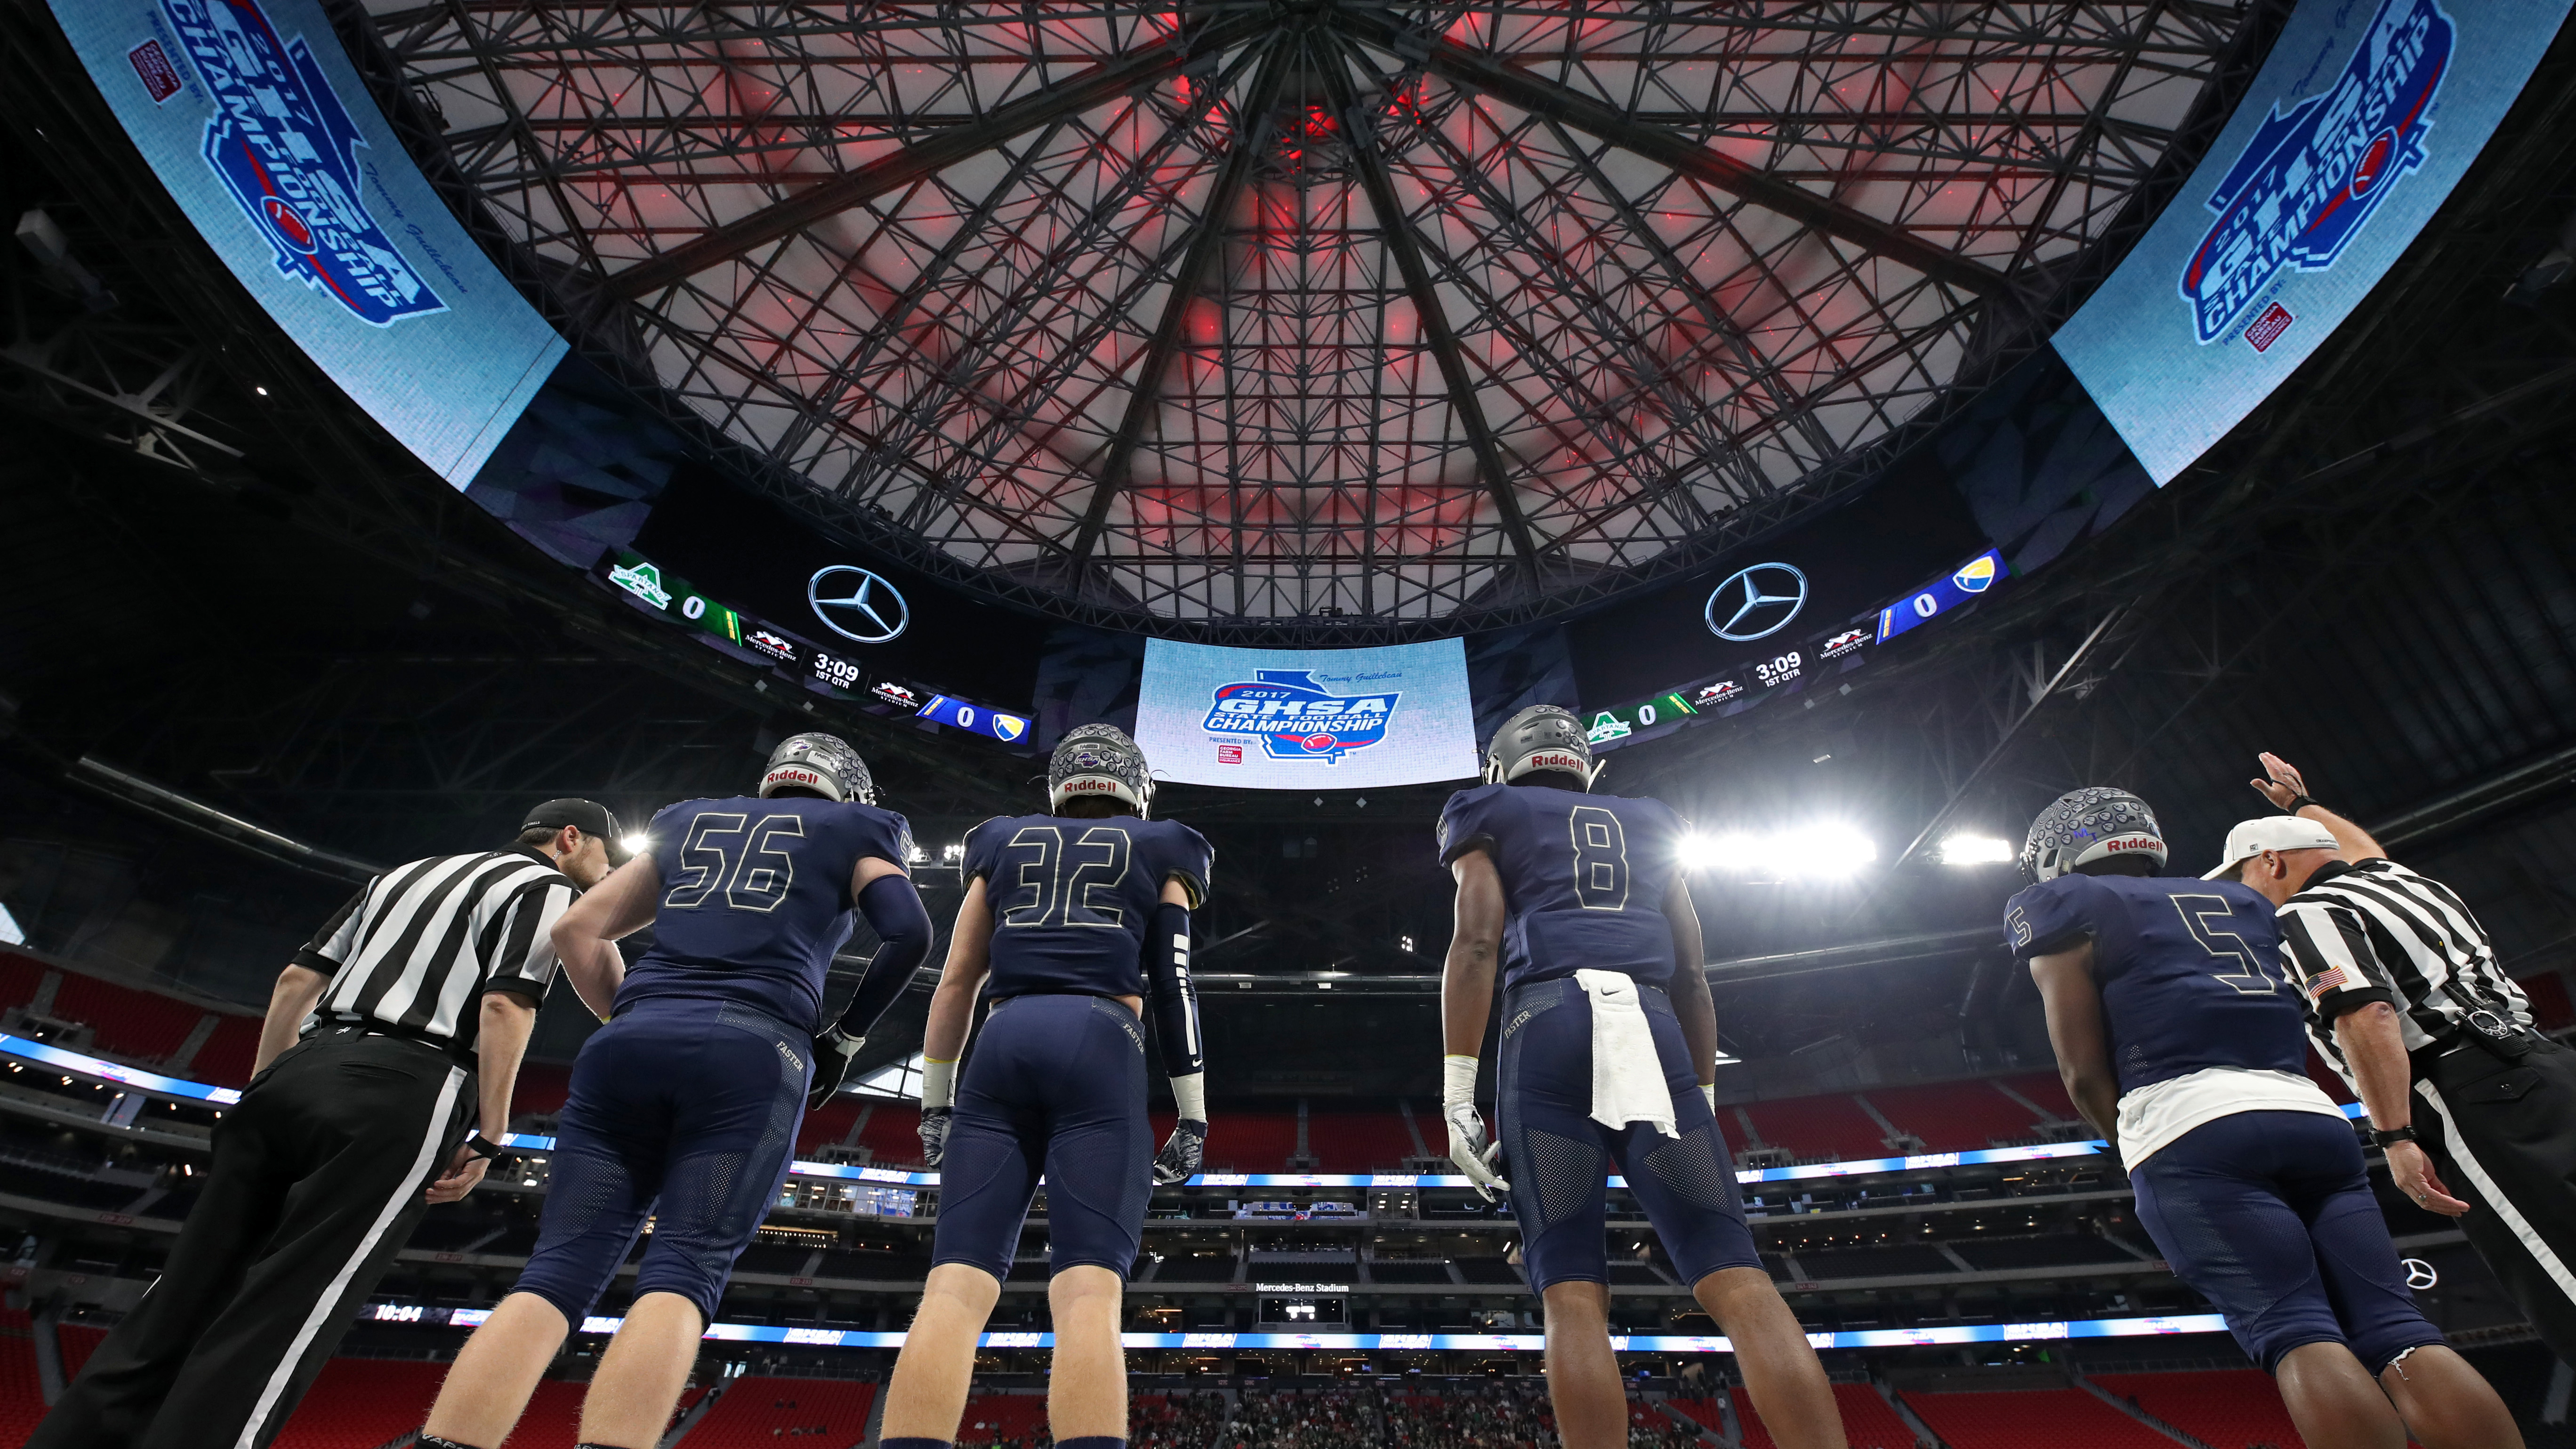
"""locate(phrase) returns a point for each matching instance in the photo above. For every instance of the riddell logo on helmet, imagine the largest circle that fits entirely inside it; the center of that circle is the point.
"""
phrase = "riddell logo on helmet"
(1546, 761)
(2133, 842)
(790, 775)
(1076, 787)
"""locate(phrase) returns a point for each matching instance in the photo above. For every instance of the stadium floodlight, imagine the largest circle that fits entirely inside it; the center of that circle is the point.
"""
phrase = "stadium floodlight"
(1966, 849)
(953, 852)
(1822, 849)
(636, 844)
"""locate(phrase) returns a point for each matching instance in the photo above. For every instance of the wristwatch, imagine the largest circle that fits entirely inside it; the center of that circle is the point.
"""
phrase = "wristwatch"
(2394, 1134)
(482, 1146)
(2300, 801)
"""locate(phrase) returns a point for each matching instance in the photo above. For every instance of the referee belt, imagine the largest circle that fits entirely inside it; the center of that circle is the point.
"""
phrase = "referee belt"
(449, 1049)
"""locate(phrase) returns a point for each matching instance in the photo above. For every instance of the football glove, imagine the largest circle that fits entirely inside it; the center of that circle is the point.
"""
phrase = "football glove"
(1178, 1162)
(832, 1053)
(1474, 1153)
(934, 1134)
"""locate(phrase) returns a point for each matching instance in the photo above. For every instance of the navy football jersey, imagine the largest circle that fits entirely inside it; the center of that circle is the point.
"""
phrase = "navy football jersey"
(1584, 877)
(1072, 898)
(756, 898)
(2190, 971)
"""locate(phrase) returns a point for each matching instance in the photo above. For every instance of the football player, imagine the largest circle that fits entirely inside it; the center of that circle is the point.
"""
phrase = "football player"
(2247, 1177)
(685, 1106)
(1075, 917)
(1609, 1047)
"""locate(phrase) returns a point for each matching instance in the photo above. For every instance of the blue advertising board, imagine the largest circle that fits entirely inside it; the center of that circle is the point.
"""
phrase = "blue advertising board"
(1304, 719)
(2365, 115)
(250, 114)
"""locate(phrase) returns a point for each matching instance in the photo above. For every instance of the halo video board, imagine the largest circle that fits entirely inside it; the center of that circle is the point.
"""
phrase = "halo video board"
(250, 114)
(2363, 118)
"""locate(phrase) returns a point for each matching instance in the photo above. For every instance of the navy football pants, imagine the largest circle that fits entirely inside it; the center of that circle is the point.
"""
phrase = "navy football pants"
(1056, 1086)
(1557, 1158)
(685, 1111)
(2270, 1216)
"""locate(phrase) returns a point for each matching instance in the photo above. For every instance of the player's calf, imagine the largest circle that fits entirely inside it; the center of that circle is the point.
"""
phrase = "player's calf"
(1780, 1368)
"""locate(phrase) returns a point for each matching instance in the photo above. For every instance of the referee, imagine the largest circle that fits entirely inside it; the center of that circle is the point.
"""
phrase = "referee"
(2404, 992)
(426, 987)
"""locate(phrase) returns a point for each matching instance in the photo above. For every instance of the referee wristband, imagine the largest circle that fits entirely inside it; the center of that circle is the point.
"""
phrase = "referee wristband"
(482, 1146)
(2384, 1138)
(2300, 802)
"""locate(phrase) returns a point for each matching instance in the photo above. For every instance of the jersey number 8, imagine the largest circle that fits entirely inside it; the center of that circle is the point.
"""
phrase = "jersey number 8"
(1600, 858)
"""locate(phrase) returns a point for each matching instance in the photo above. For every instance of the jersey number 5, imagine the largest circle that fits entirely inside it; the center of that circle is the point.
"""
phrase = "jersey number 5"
(1053, 884)
(1600, 858)
(748, 862)
(2201, 915)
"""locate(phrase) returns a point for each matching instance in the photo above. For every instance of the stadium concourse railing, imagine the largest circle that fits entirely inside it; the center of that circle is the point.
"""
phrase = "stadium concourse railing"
(138, 1078)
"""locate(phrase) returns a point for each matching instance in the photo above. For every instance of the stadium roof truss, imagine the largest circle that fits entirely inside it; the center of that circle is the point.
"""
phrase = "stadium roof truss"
(1316, 309)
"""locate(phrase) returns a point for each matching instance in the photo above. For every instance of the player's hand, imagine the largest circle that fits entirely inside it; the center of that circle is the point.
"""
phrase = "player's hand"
(2412, 1171)
(1182, 1152)
(832, 1053)
(934, 1135)
(1475, 1154)
(2285, 784)
(465, 1167)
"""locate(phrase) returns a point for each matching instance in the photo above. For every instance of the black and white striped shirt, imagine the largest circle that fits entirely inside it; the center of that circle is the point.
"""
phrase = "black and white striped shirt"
(2376, 931)
(418, 948)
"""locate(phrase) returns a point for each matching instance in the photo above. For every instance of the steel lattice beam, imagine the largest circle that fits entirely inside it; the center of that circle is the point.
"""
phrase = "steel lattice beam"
(1436, 331)
(1099, 85)
(1462, 66)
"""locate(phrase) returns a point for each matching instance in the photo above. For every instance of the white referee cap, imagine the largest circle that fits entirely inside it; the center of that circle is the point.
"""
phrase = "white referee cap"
(2251, 838)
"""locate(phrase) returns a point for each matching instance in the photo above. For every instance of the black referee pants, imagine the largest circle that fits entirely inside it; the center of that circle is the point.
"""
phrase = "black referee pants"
(2503, 1136)
(318, 1180)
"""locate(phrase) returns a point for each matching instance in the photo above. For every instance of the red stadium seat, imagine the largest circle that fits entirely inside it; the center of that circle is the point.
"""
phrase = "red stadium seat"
(2032, 1419)
(130, 1023)
(22, 1391)
(1828, 1126)
(1252, 1141)
(1955, 1116)
(1868, 1423)
(20, 976)
(357, 1403)
(226, 1057)
(78, 1341)
(1362, 1141)
(2045, 1089)
(994, 1417)
(762, 1413)
(2226, 1409)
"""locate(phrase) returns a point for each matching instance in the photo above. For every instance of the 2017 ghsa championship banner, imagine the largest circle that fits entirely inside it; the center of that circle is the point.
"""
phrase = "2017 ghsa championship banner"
(1307, 719)
(2365, 115)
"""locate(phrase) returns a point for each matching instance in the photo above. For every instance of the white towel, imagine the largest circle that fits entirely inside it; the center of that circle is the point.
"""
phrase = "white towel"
(1627, 1076)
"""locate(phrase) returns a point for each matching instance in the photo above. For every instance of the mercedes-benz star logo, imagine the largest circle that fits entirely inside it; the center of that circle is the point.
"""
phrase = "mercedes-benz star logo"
(2419, 1274)
(1756, 603)
(856, 604)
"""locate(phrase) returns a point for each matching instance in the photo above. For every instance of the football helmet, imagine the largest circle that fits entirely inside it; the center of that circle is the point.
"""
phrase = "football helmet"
(1098, 759)
(2094, 823)
(824, 764)
(1541, 737)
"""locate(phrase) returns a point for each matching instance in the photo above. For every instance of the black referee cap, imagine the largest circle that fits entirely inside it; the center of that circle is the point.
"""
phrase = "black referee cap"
(587, 816)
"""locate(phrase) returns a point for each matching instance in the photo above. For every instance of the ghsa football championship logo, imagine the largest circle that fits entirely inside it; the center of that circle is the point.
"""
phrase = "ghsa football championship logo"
(284, 146)
(2309, 180)
(1296, 718)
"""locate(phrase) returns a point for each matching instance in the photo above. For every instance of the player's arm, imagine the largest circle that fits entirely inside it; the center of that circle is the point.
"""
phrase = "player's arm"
(2074, 1006)
(300, 986)
(1466, 1005)
(885, 895)
(585, 936)
(1176, 1032)
(1693, 1007)
(952, 1014)
(2287, 789)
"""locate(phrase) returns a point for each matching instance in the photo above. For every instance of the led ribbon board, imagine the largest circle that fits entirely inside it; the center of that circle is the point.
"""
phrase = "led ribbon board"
(69, 1061)
(2365, 115)
(1392, 1342)
(253, 119)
